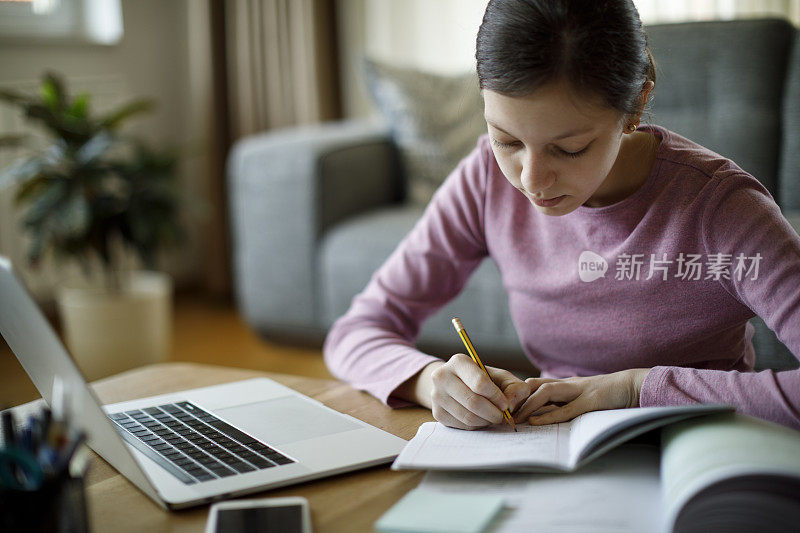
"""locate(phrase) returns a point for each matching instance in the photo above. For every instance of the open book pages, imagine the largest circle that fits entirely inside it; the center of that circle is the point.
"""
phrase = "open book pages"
(723, 472)
(561, 447)
(620, 492)
(731, 472)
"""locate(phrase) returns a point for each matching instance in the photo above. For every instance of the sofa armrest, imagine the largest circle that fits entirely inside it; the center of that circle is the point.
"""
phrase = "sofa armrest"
(286, 188)
(793, 216)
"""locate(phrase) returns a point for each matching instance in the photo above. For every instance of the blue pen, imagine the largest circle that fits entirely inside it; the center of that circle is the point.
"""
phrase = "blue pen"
(47, 417)
(26, 442)
(65, 458)
(35, 434)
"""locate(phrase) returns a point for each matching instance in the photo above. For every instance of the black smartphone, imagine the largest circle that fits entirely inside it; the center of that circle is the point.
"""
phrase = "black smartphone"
(270, 515)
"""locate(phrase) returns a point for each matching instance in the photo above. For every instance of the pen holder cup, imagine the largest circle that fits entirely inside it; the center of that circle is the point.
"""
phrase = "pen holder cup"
(59, 505)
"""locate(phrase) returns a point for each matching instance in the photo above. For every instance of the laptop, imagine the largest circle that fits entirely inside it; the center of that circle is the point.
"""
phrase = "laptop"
(200, 445)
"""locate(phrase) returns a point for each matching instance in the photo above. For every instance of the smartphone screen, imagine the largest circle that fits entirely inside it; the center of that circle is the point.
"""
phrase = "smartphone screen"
(283, 519)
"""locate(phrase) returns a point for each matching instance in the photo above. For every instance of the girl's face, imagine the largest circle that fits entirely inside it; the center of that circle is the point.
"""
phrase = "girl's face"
(553, 144)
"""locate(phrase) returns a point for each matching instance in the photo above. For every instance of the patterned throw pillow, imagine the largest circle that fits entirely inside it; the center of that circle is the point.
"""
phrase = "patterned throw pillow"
(435, 120)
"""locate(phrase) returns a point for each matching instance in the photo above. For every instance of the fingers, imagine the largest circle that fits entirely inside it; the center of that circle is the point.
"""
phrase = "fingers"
(457, 397)
(503, 378)
(546, 409)
(561, 414)
(442, 416)
(477, 380)
(463, 396)
(548, 392)
(535, 383)
(451, 413)
(515, 390)
(581, 395)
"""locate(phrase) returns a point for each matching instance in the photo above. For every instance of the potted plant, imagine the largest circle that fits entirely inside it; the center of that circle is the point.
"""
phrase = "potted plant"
(99, 198)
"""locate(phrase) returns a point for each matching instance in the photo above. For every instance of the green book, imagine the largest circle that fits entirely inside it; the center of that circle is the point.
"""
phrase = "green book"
(422, 511)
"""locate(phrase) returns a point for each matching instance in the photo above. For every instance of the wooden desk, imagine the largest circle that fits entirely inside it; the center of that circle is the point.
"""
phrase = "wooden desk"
(349, 502)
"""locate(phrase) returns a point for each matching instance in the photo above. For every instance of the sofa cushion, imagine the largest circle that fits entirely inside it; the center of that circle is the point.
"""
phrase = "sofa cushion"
(435, 121)
(721, 85)
(353, 250)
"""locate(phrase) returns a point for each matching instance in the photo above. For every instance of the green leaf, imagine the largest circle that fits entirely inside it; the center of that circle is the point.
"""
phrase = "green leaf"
(20, 170)
(91, 187)
(31, 187)
(96, 147)
(45, 203)
(46, 115)
(113, 119)
(79, 109)
(52, 92)
(74, 216)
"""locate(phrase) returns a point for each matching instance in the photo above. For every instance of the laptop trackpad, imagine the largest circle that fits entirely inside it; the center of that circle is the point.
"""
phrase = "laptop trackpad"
(286, 419)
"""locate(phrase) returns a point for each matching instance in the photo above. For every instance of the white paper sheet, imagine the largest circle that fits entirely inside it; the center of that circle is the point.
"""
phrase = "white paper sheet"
(437, 446)
(553, 447)
(619, 492)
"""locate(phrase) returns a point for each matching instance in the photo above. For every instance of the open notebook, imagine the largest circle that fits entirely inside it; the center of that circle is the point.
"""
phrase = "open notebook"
(555, 447)
(725, 472)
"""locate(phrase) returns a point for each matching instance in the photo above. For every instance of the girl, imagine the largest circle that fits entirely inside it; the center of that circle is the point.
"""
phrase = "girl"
(567, 178)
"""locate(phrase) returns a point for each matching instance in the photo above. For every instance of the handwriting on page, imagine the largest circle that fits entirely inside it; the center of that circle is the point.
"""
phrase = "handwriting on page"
(498, 445)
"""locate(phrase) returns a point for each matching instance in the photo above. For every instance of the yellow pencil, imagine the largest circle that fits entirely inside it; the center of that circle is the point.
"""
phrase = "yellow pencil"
(474, 355)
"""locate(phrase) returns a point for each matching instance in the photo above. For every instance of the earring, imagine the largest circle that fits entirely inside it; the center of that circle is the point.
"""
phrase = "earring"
(630, 128)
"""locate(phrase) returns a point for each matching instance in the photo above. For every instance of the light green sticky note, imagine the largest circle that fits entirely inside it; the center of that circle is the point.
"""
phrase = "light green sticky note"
(423, 511)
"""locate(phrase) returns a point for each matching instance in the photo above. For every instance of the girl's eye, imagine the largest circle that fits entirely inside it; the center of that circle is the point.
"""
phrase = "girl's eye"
(504, 146)
(559, 151)
(572, 154)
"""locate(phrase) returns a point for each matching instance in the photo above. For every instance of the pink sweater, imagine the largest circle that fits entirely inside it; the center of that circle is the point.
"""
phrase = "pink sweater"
(692, 255)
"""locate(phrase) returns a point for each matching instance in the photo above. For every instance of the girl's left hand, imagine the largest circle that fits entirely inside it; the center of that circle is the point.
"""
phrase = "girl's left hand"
(559, 400)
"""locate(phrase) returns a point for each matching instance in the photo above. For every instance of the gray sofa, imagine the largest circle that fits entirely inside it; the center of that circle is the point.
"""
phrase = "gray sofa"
(316, 210)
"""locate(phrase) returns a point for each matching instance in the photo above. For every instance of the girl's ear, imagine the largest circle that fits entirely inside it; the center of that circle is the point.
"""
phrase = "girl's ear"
(643, 96)
(631, 122)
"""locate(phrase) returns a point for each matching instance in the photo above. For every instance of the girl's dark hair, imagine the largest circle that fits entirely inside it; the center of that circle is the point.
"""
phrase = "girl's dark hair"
(597, 46)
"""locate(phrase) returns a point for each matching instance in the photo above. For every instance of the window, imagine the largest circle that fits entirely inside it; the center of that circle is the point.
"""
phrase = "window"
(94, 21)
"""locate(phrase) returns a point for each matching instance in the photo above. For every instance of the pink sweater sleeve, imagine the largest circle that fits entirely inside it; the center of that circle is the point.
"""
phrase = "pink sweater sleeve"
(741, 218)
(372, 345)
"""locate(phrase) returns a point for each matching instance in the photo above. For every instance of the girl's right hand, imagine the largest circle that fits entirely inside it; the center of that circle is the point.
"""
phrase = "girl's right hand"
(463, 396)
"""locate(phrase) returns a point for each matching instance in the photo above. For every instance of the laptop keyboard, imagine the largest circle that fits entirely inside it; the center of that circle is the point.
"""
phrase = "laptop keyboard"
(194, 445)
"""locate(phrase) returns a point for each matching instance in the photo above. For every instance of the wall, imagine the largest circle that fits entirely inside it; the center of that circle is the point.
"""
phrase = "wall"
(153, 59)
(439, 35)
(433, 35)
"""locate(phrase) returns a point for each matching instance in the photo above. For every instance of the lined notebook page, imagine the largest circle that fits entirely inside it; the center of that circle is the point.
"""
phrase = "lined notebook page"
(437, 446)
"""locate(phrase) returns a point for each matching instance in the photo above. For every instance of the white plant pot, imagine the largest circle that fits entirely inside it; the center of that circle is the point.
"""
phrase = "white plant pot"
(107, 332)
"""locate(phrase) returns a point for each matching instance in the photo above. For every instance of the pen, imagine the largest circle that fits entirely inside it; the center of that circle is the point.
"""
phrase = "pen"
(66, 456)
(474, 355)
(9, 432)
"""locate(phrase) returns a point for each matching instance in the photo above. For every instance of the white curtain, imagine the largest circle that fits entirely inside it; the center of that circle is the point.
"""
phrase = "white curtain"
(280, 64)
